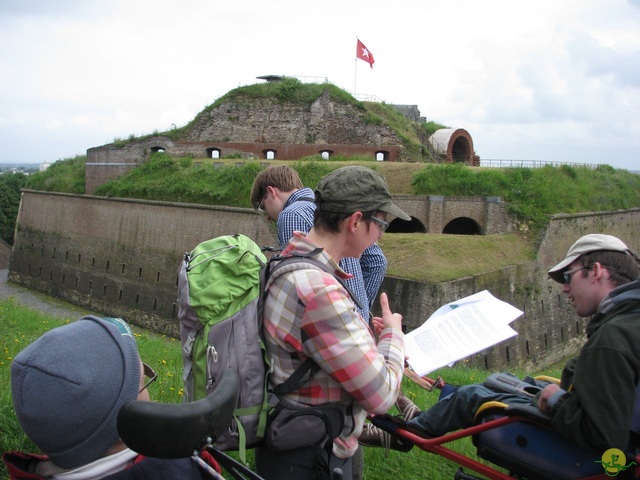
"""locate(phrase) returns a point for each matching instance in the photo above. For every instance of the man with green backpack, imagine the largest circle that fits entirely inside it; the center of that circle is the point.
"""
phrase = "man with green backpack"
(279, 194)
(309, 314)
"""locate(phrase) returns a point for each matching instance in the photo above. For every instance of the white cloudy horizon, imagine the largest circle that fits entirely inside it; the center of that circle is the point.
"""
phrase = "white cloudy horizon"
(545, 81)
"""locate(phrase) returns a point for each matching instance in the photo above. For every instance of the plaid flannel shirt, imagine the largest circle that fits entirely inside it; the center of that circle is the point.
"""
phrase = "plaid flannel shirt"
(308, 313)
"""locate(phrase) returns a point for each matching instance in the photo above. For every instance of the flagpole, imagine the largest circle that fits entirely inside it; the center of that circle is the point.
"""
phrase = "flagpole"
(355, 71)
(355, 76)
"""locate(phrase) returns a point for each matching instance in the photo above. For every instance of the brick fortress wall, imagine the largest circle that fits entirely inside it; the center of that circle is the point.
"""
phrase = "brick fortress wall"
(115, 256)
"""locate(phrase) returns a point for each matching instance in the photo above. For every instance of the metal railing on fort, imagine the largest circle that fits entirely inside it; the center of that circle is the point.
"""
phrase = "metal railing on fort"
(366, 97)
(488, 162)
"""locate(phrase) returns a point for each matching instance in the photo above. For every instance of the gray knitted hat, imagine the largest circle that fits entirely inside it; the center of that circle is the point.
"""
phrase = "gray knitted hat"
(69, 385)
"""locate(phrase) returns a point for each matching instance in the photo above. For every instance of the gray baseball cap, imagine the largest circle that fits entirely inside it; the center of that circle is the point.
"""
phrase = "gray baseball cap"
(588, 243)
(355, 189)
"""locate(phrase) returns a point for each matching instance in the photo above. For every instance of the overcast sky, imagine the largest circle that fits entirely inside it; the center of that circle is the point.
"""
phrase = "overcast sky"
(550, 80)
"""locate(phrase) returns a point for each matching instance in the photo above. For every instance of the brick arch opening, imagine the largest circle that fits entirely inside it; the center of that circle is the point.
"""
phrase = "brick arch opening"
(214, 152)
(403, 226)
(462, 226)
(382, 156)
(269, 154)
(326, 154)
(454, 145)
(157, 149)
(461, 149)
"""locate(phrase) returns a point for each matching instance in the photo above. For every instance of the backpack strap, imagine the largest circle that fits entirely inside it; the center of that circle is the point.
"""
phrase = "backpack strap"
(295, 381)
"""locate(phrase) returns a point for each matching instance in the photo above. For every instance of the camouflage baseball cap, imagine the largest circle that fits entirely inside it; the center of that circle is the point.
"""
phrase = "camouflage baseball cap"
(355, 189)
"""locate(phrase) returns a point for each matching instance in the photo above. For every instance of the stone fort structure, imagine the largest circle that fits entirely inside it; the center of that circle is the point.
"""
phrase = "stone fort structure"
(121, 257)
(268, 129)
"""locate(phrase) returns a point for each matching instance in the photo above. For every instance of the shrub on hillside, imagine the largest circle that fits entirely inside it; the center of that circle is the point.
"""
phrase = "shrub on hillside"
(533, 194)
(62, 176)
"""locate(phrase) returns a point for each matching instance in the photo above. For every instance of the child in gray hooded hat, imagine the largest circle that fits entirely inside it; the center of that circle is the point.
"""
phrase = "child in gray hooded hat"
(68, 387)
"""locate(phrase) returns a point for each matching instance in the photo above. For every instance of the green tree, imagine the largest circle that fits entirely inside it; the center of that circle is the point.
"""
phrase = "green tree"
(10, 185)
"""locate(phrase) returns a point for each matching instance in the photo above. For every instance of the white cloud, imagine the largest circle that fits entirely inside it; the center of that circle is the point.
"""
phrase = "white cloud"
(540, 80)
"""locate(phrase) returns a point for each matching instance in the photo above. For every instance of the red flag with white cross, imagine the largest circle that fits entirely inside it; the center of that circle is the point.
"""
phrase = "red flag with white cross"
(363, 53)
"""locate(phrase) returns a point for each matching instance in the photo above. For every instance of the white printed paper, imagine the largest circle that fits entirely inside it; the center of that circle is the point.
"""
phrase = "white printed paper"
(459, 329)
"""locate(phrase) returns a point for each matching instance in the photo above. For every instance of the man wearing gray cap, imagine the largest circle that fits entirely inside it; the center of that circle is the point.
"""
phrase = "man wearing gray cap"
(309, 314)
(594, 404)
(68, 387)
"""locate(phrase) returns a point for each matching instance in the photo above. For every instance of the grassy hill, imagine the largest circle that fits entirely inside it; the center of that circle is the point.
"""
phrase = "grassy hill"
(413, 135)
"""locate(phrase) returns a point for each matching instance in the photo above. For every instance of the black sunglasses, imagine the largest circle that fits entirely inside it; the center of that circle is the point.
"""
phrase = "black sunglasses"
(567, 275)
(150, 374)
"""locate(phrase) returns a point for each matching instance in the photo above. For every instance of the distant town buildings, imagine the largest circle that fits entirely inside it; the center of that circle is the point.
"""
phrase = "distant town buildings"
(24, 168)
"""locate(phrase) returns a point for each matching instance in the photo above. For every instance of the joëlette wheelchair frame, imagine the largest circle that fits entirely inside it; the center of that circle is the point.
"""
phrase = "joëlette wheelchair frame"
(163, 430)
(515, 438)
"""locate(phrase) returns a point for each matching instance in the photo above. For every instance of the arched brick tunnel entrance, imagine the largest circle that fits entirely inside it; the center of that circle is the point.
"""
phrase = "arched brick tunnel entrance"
(462, 226)
(461, 149)
(455, 145)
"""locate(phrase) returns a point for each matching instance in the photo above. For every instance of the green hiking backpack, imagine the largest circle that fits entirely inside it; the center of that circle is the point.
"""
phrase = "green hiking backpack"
(220, 298)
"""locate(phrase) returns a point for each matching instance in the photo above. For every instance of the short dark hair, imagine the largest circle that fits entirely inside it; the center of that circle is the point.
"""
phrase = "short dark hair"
(281, 177)
(623, 267)
(332, 221)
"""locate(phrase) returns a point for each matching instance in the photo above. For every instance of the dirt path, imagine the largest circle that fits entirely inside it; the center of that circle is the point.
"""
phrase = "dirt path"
(39, 301)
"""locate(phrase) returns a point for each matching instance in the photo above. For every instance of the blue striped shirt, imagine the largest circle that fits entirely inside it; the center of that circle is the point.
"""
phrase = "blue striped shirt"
(368, 271)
